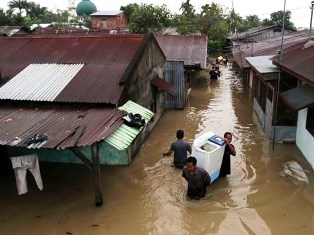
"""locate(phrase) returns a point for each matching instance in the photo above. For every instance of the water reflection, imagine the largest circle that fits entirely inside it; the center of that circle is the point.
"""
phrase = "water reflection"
(238, 204)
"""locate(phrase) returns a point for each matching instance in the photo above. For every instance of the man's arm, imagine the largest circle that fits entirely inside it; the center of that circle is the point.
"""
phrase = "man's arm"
(232, 149)
(170, 151)
(184, 175)
(206, 179)
(189, 149)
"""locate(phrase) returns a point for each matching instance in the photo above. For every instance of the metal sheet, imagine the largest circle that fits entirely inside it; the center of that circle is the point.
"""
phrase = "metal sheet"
(124, 135)
(58, 123)
(191, 49)
(299, 97)
(174, 74)
(164, 85)
(39, 82)
(105, 58)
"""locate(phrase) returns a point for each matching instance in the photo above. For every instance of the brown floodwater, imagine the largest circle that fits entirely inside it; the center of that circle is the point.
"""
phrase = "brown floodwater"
(149, 197)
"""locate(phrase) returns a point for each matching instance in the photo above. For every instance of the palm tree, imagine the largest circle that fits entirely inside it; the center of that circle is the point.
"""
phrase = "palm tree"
(17, 4)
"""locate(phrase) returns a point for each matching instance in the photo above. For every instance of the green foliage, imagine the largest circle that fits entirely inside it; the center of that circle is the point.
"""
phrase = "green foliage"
(186, 22)
(148, 18)
(277, 19)
(129, 9)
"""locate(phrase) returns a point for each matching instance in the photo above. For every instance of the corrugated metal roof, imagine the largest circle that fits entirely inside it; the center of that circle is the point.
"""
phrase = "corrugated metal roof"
(124, 135)
(251, 32)
(39, 82)
(106, 13)
(266, 47)
(164, 85)
(298, 60)
(262, 64)
(191, 49)
(64, 126)
(106, 59)
(299, 97)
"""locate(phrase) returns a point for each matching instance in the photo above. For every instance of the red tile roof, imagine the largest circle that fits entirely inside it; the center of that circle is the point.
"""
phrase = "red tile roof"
(106, 60)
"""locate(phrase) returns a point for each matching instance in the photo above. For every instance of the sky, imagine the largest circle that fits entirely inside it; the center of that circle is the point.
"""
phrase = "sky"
(300, 9)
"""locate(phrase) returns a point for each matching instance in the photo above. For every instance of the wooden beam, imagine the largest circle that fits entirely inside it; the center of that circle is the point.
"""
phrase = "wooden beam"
(96, 174)
(82, 157)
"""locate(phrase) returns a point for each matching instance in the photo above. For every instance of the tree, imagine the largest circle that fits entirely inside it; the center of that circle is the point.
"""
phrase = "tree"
(18, 4)
(129, 9)
(277, 19)
(149, 18)
(186, 22)
(235, 21)
(35, 10)
(251, 21)
(4, 19)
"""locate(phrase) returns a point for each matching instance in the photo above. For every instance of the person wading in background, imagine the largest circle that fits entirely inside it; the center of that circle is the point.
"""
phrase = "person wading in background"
(180, 149)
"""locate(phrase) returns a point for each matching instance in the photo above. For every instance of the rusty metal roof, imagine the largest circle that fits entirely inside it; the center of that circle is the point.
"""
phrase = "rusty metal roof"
(266, 47)
(64, 126)
(106, 59)
(191, 49)
(298, 60)
(164, 85)
(251, 32)
(298, 97)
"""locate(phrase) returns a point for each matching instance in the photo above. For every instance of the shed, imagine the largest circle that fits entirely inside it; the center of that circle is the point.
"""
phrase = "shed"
(185, 55)
(69, 88)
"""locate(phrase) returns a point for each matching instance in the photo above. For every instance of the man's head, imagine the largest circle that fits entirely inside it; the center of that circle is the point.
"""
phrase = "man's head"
(180, 134)
(191, 164)
(228, 136)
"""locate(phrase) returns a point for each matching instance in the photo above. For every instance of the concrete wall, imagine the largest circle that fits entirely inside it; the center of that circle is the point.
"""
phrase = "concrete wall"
(304, 140)
(282, 133)
(139, 88)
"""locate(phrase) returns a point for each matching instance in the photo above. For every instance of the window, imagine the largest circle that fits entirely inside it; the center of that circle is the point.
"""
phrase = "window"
(310, 119)
(104, 23)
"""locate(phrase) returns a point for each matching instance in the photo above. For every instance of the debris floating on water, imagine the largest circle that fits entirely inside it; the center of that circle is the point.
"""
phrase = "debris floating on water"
(293, 169)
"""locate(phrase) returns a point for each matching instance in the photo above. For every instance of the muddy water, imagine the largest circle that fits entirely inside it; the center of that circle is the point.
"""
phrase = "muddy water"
(149, 196)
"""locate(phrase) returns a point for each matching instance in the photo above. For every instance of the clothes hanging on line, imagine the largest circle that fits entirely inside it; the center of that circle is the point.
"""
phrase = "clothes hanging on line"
(20, 165)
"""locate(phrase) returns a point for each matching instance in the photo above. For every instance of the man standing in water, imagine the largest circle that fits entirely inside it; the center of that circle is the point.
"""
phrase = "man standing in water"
(197, 178)
(180, 149)
(225, 168)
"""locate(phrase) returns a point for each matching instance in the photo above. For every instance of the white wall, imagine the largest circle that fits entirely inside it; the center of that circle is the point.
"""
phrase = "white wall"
(304, 140)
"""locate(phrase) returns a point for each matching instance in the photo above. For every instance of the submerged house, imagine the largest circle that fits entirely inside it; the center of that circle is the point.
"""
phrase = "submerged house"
(297, 62)
(262, 47)
(186, 56)
(60, 96)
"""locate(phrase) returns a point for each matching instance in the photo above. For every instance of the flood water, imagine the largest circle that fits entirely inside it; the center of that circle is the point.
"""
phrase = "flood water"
(149, 197)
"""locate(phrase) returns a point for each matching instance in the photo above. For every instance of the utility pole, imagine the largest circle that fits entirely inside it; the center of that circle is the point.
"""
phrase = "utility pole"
(312, 7)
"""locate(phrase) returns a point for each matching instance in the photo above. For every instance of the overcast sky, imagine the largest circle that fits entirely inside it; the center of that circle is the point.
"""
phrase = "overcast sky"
(300, 9)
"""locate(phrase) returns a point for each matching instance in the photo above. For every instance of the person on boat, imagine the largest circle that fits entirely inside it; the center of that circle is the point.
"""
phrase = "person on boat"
(225, 168)
(180, 149)
(198, 179)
